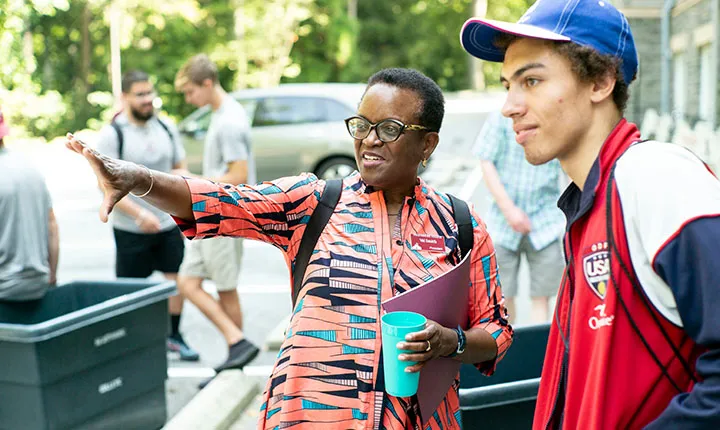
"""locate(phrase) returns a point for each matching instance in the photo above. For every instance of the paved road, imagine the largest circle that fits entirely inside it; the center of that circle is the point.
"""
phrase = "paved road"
(87, 252)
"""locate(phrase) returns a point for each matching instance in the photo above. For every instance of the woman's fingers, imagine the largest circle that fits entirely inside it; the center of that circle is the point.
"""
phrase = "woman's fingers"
(418, 351)
(430, 330)
(74, 143)
(99, 164)
(420, 346)
(109, 202)
(415, 367)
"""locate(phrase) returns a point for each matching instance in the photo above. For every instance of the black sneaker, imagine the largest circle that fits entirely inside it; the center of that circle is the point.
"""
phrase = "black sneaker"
(239, 355)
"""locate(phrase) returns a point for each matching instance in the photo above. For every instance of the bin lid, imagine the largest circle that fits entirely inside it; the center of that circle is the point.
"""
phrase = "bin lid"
(147, 293)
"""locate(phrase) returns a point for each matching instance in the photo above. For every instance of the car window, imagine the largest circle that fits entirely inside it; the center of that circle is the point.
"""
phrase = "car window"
(202, 122)
(249, 105)
(336, 111)
(289, 110)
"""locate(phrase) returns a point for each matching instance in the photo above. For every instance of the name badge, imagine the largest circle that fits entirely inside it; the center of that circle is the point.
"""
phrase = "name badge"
(426, 242)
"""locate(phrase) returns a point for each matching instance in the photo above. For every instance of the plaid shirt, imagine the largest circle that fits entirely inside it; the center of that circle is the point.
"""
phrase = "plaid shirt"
(534, 189)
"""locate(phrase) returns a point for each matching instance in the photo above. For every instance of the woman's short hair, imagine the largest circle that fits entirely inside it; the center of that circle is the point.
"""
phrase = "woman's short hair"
(433, 103)
(588, 65)
(196, 70)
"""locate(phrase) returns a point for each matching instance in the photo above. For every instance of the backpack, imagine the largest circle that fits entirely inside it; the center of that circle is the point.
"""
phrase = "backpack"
(326, 207)
(121, 139)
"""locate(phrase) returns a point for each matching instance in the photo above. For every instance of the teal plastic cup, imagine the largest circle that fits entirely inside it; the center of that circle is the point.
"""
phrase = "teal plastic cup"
(395, 325)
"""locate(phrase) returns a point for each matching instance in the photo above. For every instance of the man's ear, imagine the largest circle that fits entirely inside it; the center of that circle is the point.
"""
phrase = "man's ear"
(603, 88)
(430, 142)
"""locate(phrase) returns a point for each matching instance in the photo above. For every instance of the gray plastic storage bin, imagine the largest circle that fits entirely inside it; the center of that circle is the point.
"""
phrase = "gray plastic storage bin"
(506, 400)
(82, 354)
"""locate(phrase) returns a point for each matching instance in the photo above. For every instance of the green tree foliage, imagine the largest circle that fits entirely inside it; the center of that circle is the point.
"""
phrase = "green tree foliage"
(161, 42)
(56, 76)
(418, 34)
(28, 106)
(327, 45)
(421, 34)
(506, 10)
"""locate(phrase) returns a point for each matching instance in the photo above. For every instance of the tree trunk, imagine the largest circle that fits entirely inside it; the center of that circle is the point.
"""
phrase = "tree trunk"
(352, 9)
(85, 49)
(477, 76)
(115, 60)
(28, 52)
(241, 80)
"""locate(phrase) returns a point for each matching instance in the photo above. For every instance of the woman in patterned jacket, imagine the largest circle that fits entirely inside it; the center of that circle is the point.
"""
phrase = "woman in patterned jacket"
(328, 373)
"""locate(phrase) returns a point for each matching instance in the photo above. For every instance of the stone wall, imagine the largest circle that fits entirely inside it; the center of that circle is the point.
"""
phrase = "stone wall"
(683, 26)
(645, 91)
(688, 19)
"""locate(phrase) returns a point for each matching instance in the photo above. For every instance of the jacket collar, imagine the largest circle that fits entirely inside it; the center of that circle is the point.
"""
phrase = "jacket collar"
(575, 202)
(357, 184)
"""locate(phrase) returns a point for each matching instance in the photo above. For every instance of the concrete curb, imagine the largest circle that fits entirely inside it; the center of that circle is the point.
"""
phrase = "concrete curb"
(276, 337)
(218, 405)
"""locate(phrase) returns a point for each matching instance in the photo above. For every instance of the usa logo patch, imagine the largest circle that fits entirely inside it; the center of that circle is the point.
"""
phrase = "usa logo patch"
(596, 267)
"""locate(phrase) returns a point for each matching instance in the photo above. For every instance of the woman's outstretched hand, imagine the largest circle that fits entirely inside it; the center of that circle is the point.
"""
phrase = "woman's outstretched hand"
(116, 177)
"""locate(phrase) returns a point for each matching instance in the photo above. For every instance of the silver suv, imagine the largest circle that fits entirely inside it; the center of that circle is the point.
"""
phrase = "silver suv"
(295, 128)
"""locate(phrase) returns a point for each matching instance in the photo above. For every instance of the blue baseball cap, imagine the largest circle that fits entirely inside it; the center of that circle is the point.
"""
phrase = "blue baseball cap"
(593, 23)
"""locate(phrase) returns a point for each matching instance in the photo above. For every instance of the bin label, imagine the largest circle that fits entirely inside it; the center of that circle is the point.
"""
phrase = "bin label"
(110, 337)
(110, 385)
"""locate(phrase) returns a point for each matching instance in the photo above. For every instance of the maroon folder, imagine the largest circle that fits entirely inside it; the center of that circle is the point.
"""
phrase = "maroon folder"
(445, 301)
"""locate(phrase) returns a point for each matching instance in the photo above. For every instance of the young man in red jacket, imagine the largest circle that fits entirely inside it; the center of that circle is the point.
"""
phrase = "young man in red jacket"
(635, 339)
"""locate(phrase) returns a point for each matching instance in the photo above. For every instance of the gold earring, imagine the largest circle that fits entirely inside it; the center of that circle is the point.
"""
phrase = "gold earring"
(424, 163)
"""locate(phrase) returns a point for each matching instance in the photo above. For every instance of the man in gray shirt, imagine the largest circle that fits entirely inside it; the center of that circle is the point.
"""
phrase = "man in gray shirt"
(228, 159)
(29, 241)
(146, 239)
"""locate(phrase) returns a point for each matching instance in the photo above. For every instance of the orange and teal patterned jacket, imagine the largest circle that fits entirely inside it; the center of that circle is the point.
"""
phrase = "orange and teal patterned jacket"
(327, 374)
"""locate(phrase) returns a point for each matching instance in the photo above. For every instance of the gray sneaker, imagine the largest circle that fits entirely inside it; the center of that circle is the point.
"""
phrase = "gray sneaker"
(239, 356)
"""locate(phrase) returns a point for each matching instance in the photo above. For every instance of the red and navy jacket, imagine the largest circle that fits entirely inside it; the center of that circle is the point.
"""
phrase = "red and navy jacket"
(635, 338)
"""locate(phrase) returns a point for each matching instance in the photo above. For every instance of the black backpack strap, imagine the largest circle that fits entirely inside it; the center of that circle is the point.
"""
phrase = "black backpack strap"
(121, 140)
(316, 225)
(172, 140)
(463, 219)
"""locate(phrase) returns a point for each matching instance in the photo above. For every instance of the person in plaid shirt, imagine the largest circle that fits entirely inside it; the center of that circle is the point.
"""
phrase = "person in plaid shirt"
(523, 218)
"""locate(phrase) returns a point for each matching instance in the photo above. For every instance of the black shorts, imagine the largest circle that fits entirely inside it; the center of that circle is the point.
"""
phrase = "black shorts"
(138, 255)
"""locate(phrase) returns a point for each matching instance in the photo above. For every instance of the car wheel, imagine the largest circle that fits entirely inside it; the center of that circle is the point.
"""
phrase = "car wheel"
(335, 167)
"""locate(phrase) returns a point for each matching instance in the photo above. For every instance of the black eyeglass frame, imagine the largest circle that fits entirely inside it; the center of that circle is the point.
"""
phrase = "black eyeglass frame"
(403, 127)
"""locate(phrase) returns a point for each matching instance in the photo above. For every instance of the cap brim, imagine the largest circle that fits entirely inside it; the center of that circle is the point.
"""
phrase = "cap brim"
(478, 36)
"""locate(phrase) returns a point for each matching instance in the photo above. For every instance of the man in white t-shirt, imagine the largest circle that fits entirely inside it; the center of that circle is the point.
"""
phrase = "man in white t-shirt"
(228, 159)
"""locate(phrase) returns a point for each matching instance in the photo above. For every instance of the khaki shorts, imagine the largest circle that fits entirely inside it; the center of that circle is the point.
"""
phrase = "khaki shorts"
(217, 259)
(546, 268)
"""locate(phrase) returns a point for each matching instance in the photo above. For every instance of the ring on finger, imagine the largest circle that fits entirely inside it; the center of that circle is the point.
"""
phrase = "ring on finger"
(429, 347)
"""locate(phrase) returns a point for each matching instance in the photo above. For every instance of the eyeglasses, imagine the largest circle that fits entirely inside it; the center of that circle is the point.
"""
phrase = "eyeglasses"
(144, 94)
(388, 130)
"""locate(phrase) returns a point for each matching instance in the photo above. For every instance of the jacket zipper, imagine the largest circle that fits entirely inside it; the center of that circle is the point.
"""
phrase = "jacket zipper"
(562, 384)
